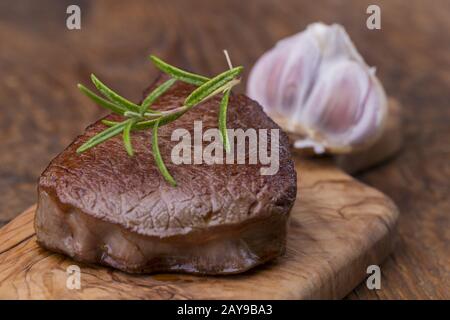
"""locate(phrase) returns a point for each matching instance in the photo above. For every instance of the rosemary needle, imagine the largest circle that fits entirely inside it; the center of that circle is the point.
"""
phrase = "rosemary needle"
(223, 120)
(155, 94)
(158, 159)
(102, 102)
(109, 123)
(127, 138)
(102, 136)
(211, 86)
(177, 73)
(114, 97)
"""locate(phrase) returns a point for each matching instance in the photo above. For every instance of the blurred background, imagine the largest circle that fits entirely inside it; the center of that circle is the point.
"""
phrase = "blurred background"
(41, 110)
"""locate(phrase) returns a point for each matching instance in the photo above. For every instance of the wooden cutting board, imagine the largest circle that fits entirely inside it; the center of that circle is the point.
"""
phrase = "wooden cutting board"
(339, 227)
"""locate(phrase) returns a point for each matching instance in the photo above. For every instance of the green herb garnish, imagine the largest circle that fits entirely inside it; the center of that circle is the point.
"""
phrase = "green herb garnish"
(143, 116)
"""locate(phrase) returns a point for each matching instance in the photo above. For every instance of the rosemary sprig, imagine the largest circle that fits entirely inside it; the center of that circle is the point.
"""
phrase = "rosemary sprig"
(158, 158)
(142, 117)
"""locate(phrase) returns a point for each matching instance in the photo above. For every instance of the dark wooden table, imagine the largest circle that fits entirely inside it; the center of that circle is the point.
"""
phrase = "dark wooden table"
(41, 110)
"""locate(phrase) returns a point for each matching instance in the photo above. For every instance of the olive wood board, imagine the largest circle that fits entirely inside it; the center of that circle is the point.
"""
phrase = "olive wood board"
(338, 227)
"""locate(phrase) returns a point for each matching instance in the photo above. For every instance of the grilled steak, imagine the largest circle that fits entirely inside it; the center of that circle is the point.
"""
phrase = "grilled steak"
(106, 207)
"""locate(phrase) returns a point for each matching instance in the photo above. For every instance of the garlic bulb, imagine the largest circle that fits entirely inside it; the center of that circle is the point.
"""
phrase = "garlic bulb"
(317, 87)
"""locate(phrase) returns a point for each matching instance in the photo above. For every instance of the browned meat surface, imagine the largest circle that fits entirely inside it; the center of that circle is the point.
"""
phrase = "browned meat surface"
(105, 207)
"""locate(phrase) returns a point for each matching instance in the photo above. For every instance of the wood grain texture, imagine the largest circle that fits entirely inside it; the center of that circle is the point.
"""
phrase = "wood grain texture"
(41, 110)
(338, 227)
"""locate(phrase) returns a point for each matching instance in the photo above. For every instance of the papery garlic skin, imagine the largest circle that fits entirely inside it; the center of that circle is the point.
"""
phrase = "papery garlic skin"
(316, 85)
